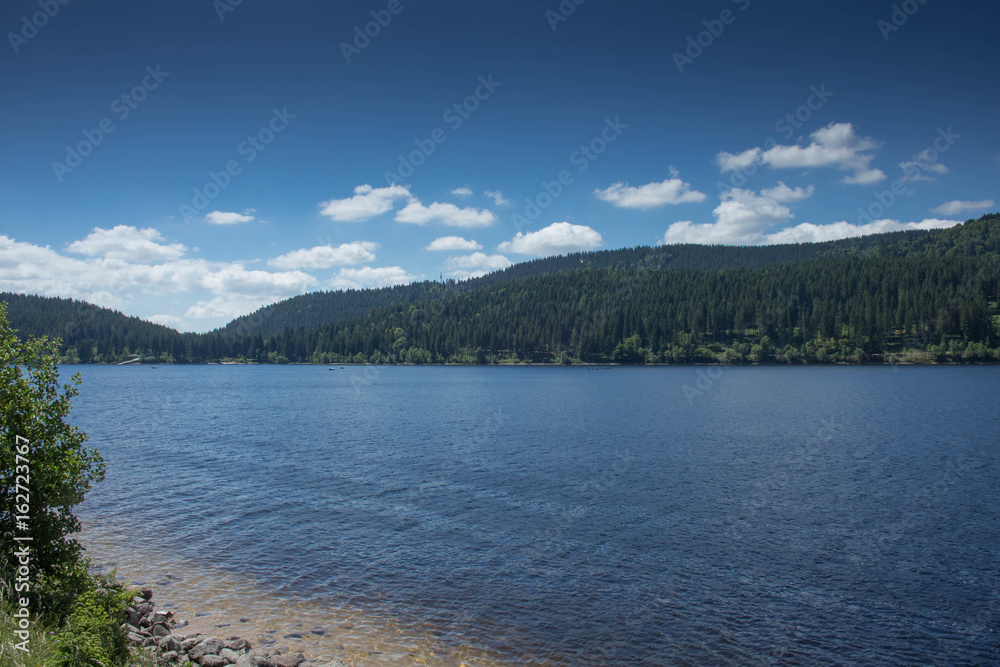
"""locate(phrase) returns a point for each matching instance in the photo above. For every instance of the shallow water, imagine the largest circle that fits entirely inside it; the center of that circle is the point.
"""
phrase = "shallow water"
(559, 515)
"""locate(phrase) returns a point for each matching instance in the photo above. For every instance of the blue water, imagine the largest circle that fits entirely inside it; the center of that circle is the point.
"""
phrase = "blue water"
(631, 516)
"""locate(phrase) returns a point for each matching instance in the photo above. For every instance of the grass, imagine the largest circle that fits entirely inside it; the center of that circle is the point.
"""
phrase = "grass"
(90, 636)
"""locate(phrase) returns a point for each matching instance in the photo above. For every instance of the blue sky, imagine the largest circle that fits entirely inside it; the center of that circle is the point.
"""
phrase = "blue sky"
(191, 161)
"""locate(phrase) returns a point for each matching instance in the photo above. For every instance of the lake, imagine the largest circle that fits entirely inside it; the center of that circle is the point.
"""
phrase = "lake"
(559, 516)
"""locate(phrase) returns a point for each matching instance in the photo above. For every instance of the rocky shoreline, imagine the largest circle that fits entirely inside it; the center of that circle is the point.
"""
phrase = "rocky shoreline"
(157, 632)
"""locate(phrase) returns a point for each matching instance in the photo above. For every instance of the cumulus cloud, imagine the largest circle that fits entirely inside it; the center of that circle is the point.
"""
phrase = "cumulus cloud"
(367, 203)
(837, 145)
(448, 214)
(731, 162)
(783, 193)
(325, 256)
(498, 198)
(475, 265)
(740, 218)
(368, 276)
(123, 267)
(462, 192)
(744, 217)
(453, 243)
(127, 243)
(810, 233)
(559, 238)
(650, 196)
(958, 207)
(224, 218)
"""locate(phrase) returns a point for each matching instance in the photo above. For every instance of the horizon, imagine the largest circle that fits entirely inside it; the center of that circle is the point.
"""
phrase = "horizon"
(442, 280)
(193, 163)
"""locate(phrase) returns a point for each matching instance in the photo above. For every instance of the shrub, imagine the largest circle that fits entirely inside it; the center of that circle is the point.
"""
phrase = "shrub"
(57, 470)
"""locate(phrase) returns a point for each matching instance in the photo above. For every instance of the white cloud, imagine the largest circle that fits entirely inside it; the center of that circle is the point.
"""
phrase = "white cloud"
(325, 256)
(417, 214)
(731, 162)
(453, 243)
(740, 218)
(367, 202)
(171, 321)
(959, 207)
(462, 192)
(783, 193)
(223, 218)
(836, 145)
(475, 265)
(115, 282)
(368, 276)
(498, 198)
(650, 196)
(810, 233)
(559, 238)
(126, 243)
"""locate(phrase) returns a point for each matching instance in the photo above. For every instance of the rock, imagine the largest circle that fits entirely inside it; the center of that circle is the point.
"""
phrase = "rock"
(146, 593)
(238, 645)
(149, 641)
(158, 617)
(246, 660)
(168, 643)
(288, 660)
(190, 643)
(170, 656)
(229, 654)
(130, 628)
(160, 630)
(135, 638)
(209, 646)
(143, 609)
(212, 661)
(133, 617)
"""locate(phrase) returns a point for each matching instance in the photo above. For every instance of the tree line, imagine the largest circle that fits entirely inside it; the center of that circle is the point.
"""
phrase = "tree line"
(910, 296)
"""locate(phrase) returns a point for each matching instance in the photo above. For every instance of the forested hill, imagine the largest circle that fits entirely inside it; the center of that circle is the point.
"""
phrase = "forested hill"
(98, 333)
(313, 310)
(919, 296)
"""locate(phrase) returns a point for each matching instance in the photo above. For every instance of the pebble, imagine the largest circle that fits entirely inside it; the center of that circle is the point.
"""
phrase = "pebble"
(156, 629)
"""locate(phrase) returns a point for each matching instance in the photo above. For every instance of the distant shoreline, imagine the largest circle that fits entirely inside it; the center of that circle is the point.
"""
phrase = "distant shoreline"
(602, 365)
